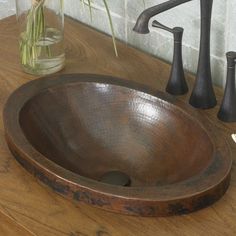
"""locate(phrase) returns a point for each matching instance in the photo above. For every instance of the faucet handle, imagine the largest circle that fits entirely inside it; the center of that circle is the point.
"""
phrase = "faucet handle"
(157, 24)
(227, 112)
(177, 84)
(176, 31)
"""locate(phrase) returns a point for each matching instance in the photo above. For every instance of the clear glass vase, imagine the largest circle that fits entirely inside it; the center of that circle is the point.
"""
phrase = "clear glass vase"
(41, 25)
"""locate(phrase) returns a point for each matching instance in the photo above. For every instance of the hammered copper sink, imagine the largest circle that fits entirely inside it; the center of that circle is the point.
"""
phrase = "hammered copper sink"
(117, 145)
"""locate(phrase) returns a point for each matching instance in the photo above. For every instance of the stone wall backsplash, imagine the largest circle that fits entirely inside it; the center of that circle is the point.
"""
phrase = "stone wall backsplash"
(159, 43)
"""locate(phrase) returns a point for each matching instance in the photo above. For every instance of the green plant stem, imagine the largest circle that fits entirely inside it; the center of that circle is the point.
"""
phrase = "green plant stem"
(90, 10)
(144, 4)
(89, 3)
(111, 26)
(35, 30)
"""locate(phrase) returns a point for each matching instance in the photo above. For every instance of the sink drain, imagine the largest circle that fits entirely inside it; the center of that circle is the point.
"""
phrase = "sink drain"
(116, 178)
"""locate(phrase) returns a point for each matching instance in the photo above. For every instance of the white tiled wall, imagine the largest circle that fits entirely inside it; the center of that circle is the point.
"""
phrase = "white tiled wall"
(7, 7)
(158, 42)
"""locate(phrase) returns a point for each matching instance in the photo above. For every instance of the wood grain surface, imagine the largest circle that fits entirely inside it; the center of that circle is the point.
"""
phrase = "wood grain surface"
(44, 213)
(9, 226)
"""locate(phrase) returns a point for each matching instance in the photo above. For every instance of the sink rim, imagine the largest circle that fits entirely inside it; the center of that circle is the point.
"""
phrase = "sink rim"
(65, 181)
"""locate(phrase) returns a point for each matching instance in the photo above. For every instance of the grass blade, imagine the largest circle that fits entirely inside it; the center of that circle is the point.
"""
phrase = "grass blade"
(111, 26)
(90, 10)
(144, 5)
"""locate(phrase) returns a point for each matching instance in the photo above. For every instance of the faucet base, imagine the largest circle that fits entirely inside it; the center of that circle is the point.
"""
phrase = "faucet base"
(203, 95)
(176, 88)
(203, 101)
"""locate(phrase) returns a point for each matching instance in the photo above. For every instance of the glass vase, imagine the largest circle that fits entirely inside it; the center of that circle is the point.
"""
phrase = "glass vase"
(41, 26)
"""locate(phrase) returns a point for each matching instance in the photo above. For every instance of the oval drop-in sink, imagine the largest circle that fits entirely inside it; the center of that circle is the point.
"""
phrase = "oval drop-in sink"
(117, 145)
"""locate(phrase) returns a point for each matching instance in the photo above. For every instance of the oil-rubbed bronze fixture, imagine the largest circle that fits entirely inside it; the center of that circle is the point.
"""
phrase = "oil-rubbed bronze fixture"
(227, 112)
(203, 95)
(177, 84)
(132, 154)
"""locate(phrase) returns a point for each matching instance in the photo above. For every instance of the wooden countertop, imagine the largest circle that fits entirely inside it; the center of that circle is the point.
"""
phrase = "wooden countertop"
(28, 208)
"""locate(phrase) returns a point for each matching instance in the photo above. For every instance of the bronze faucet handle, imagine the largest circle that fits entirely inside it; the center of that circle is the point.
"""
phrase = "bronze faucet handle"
(227, 112)
(176, 31)
(177, 84)
(157, 24)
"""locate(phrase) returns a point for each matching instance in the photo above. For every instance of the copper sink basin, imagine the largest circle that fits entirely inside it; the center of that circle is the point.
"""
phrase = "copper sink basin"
(117, 145)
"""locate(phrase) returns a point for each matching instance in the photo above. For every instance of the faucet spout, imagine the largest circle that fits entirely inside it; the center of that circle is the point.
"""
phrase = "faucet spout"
(141, 25)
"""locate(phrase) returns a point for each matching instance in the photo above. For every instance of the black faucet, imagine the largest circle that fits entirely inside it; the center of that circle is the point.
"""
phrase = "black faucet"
(203, 95)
